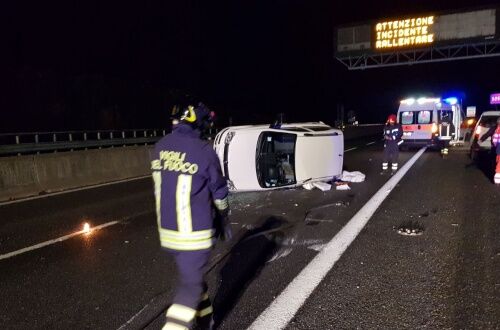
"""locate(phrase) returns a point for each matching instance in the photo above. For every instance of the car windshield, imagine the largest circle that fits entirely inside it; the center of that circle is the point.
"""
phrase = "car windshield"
(275, 159)
(488, 121)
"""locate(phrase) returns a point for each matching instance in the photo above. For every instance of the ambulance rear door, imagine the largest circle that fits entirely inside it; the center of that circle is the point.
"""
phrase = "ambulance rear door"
(417, 124)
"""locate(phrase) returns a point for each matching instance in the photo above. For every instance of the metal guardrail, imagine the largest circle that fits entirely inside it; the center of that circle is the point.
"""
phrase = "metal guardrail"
(38, 142)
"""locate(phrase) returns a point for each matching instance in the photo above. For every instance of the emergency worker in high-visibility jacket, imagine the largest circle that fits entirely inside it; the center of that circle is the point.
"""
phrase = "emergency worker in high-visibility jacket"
(393, 132)
(189, 189)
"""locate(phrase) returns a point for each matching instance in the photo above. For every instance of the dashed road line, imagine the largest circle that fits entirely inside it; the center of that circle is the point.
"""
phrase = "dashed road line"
(53, 241)
(351, 149)
(370, 143)
(286, 305)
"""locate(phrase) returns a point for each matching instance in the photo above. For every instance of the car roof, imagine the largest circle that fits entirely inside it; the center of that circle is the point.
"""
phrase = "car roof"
(491, 113)
(306, 127)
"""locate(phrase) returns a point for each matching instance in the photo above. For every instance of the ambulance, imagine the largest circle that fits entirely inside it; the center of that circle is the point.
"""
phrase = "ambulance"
(430, 121)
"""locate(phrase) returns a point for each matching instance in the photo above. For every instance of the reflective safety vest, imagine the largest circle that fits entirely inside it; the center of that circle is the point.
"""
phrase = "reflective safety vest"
(188, 185)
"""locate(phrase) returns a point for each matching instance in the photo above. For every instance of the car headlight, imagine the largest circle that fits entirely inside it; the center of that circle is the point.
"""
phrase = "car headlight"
(229, 137)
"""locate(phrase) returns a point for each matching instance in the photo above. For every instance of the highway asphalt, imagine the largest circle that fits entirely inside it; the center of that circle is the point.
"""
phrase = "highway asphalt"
(447, 277)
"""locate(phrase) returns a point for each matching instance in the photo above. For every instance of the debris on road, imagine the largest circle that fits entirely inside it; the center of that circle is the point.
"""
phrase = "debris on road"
(323, 186)
(411, 228)
(355, 176)
(342, 186)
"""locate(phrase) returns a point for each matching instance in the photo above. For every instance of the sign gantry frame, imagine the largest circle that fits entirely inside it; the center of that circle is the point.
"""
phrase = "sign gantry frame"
(423, 55)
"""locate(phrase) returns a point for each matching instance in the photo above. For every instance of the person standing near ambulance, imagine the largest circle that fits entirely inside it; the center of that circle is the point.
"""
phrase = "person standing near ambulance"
(393, 132)
(494, 132)
(189, 187)
(446, 131)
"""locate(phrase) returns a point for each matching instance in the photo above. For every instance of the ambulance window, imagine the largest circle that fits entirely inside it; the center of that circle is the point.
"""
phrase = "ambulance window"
(424, 117)
(407, 118)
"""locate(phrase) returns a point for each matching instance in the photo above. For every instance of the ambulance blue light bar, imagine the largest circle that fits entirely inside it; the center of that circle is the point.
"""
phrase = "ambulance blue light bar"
(451, 100)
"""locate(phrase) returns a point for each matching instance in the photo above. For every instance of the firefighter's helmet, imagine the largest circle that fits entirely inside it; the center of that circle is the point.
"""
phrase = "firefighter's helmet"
(392, 118)
(194, 114)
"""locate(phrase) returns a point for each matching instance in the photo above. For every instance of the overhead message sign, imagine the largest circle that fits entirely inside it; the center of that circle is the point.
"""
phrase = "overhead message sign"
(407, 32)
(495, 98)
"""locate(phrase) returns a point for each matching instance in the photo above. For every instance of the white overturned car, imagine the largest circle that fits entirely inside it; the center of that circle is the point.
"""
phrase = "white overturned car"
(260, 157)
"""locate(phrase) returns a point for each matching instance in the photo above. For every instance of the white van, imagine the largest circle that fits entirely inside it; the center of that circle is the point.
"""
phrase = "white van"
(429, 121)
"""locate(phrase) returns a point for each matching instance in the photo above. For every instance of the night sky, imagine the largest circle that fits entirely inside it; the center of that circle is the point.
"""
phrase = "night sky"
(73, 65)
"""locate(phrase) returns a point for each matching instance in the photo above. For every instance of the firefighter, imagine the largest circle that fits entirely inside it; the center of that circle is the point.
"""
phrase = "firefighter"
(392, 140)
(494, 132)
(189, 190)
(446, 131)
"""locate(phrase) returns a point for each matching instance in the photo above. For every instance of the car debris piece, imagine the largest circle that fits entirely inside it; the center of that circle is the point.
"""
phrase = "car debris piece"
(342, 186)
(323, 186)
(355, 176)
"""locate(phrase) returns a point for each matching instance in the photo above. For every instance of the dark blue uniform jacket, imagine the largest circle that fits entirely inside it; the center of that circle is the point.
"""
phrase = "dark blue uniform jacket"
(394, 133)
(188, 184)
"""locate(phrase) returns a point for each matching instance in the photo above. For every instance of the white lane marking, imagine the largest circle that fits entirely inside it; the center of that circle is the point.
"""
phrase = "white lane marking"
(284, 307)
(53, 241)
(370, 143)
(71, 190)
(351, 149)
